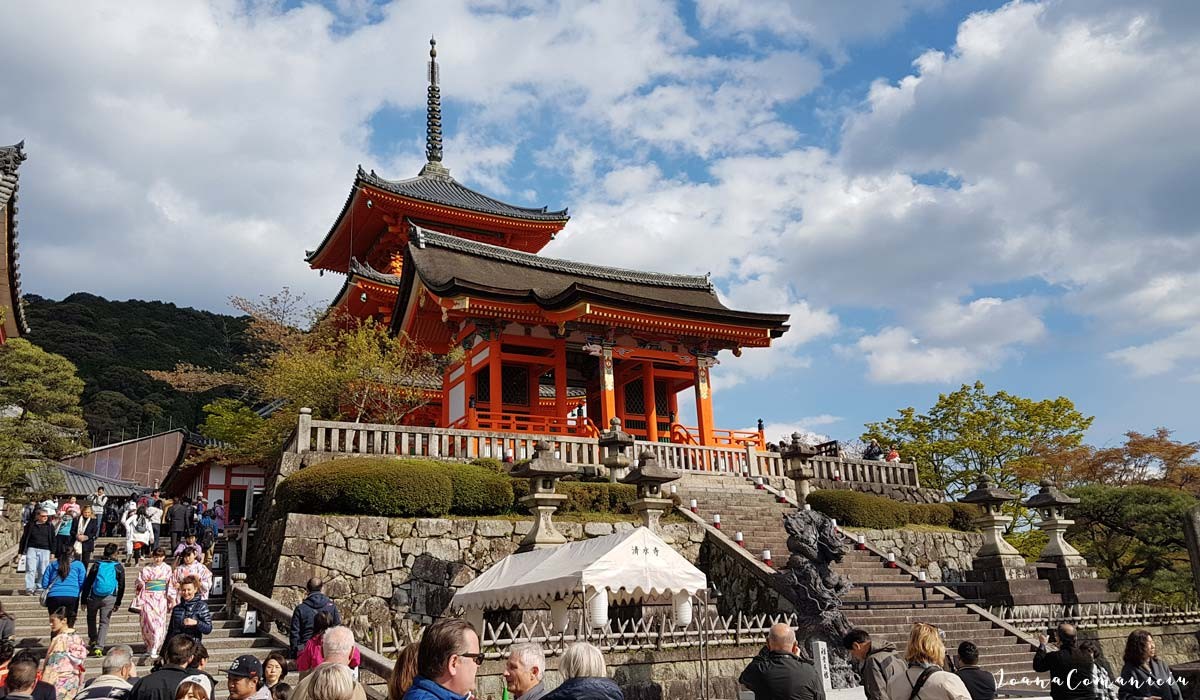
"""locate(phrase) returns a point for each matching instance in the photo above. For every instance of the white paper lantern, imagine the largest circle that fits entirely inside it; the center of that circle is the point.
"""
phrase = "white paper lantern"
(558, 614)
(681, 606)
(598, 609)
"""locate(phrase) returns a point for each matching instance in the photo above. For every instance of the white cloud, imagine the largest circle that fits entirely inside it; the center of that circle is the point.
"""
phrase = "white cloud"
(1162, 355)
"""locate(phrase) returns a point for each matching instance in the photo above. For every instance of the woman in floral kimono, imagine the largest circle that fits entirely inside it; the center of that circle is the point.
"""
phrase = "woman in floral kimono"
(189, 566)
(63, 667)
(153, 592)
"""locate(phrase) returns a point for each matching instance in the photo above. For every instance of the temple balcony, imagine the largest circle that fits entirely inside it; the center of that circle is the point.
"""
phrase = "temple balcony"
(576, 442)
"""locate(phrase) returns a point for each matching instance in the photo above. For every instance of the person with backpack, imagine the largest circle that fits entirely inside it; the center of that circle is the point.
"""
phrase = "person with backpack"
(109, 519)
(63, 585)
(924, 678)
(139, 533)
(103, 590)
(206, 534)
(874, 660)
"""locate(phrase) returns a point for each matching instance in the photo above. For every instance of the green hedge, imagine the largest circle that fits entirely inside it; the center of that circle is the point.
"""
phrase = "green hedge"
(585, 497)
(370, 486)
(857, 509)
(478, 490)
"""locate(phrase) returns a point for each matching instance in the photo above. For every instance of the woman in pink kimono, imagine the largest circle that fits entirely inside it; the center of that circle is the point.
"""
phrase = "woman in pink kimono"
(153, 600)
(63, 667)
(189, 566)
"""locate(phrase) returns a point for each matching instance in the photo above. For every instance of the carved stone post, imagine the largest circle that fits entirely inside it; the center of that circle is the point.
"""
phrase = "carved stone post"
(998, 567)
(1070, 577)
(616, 446)
(304, 431)
(649, 478)
(796, 456)
(543, 472)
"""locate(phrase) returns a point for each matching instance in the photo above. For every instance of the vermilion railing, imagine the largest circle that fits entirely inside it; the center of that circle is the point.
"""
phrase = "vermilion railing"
(688, 435)
(511, 422)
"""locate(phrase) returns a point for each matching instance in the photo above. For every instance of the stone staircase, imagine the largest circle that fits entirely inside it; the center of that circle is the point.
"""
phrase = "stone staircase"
(758, 514)
(224, 644)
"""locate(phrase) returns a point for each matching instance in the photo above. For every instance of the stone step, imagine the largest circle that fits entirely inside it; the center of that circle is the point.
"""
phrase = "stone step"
(215, 645)
(964, 630)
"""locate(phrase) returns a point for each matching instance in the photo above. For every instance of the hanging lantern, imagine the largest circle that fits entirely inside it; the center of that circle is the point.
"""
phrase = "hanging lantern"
(737, 537)
(717, 520)
(598, 609)
(766, 557)
(693, 505)
(681, 607)
(558, 614)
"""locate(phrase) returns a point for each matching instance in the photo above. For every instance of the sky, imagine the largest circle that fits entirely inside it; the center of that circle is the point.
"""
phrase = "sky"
(936, 191)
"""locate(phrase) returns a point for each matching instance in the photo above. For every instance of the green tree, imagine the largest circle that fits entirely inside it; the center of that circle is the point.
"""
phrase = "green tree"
(230, 421)
(39, 394)
(969, 432)
(1134, 536)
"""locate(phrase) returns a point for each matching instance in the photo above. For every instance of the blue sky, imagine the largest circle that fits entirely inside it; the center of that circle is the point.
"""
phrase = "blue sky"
(936, 191)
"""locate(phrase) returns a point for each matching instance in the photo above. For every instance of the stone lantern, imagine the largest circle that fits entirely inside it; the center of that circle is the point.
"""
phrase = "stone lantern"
(998, 567)
(616, 446)
(649, 477)
(796, 456)
(1069, 576)
(543, 471)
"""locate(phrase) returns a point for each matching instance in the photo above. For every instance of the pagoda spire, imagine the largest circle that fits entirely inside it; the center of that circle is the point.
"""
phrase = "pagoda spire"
(433, 119)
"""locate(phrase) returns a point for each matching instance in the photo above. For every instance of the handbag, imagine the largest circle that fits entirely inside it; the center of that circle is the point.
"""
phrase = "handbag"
(78, 548)
(45, 594)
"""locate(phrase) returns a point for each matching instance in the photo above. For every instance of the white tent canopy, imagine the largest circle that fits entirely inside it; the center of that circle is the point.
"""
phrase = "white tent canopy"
(636, 564)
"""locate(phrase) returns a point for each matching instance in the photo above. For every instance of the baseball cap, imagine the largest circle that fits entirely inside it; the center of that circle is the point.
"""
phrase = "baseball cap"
(200, 680)
(246, 666)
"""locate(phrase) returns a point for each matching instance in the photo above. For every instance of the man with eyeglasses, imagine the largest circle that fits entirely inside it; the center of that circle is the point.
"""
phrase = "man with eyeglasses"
(36, 543)
(447, 662)
(336, 645)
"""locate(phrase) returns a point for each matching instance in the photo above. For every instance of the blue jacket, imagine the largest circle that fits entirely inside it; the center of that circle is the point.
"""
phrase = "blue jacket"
(304, 616)
(196, 609)
(70, 587)
(425, 689)
(586, 689)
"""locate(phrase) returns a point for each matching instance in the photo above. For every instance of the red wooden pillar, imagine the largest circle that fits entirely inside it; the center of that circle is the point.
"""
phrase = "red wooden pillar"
(648, 399)
(704, 413)
(560, 378)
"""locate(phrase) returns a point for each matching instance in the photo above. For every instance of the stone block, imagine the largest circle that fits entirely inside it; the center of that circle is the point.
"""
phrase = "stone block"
(350, 563)
(432, 527)
(399, 528)
(338, 588)
(386, 556)
(413, 545)
(430, 570)
(460, 528)
(357, 545)
(572, 531)
(401, 576)
(308, 550)
(335, 539)
(494, 528)
(296, 572)
(485, 552)
(372, 528)
(522, 527)
(444, 549)
(379, 585)
(459, 574)
(597, 529)
(624, 526)
(347, 525)
(303, 525)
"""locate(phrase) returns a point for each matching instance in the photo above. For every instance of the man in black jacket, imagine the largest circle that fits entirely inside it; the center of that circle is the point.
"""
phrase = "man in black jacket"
(162, 684)
(1069, 667)
(179, 517)
(37, 541)
(778, 673)
(306, 613)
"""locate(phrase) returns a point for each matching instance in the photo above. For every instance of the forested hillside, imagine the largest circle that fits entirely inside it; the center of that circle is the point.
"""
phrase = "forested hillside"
(111, 342)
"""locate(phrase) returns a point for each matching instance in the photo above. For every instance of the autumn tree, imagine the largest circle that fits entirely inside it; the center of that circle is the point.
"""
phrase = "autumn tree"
(970, 432)
(39, 395)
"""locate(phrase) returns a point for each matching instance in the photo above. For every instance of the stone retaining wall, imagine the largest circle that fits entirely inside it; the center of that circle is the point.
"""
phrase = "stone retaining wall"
(392, 570)
(946, 556)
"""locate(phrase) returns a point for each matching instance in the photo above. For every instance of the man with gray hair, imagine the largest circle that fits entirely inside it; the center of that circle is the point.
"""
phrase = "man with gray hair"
(113, 682)
(778, 673)
(336, 645)
(524, 670)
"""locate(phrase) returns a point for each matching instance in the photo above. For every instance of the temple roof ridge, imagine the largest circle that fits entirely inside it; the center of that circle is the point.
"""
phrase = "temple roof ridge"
(363, 269)
(423, 237)
(434, 184)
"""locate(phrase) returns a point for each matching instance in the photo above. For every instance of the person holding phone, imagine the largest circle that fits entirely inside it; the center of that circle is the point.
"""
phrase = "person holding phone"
(778, 671)
(1068, 665)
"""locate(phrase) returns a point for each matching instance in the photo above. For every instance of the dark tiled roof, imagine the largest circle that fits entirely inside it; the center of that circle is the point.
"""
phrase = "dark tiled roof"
(10, 160)
(81, 483)
(451, 265)
(367, 272)
(438, 187)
